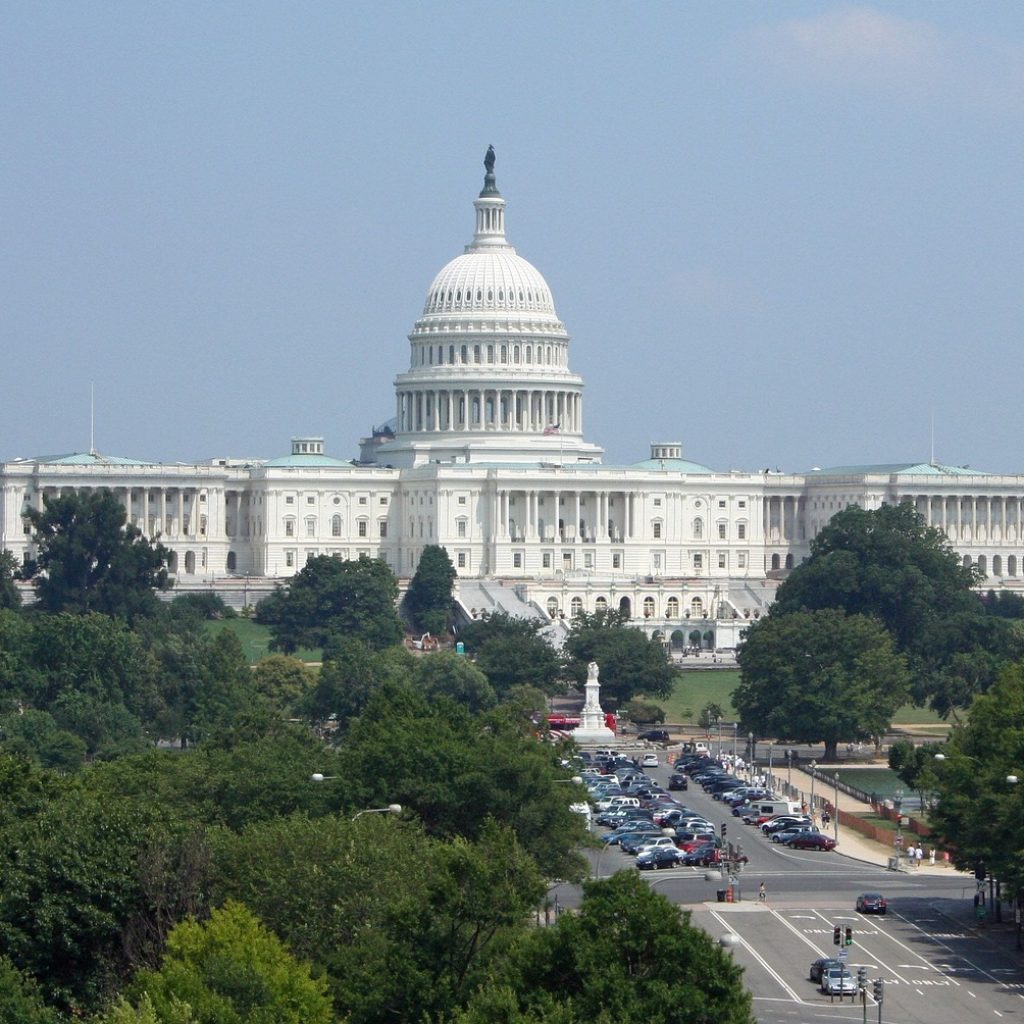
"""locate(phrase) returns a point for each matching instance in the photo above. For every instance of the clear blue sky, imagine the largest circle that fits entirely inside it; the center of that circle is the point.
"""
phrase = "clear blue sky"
(781, 233)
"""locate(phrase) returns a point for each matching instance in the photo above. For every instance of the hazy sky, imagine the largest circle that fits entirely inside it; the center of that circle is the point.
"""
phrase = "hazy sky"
(782, 233)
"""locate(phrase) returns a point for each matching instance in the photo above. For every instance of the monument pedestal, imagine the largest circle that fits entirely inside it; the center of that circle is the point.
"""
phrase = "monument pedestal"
(592, 728)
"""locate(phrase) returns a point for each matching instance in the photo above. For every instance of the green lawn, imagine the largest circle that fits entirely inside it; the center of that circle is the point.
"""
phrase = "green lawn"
(255, 639)
(698, 688)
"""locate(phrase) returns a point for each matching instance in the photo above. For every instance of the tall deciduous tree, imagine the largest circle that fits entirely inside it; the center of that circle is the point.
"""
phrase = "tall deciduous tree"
(429, 597)
(631, 662)
(9, 596)
(446, 674)
(628, 956)
(90, 559)
(334, 598)
(511, 652)
(231, 969)
(820, 677)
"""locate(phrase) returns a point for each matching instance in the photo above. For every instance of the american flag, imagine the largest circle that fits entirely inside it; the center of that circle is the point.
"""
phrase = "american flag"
(553, 429)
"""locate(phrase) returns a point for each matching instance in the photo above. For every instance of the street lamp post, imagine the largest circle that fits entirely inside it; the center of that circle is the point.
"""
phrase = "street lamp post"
(719, 721)
(789, 770)
(814, 768)
(750, 746)
(735, 732)
(835, 808)
(390, 809)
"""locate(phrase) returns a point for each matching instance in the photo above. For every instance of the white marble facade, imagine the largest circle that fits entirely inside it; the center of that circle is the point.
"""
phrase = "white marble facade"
(486, 455)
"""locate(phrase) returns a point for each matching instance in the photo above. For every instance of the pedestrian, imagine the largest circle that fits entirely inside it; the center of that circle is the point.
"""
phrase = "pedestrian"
(919, 855)
(931, 856)
(825, 818)
(762, 894)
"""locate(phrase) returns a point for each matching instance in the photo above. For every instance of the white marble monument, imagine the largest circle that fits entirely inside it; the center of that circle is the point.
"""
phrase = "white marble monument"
(592, 728)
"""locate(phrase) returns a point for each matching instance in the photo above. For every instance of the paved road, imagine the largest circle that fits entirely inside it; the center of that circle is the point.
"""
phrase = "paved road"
(937, 967)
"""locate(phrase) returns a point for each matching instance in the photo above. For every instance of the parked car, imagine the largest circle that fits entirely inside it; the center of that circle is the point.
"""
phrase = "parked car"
(659, 857)
(678, 780)
(871, 903)
(703, 856)
(634, 839)
(785, 834)
(784, 821)
(649, 761)
(837, 981)
(811, 841)
(655, 735)
(822, 964)
(668, 842)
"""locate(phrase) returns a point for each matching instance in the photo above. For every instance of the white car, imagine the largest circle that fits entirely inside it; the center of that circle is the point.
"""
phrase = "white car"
(654, 844)
(649, 761)
(837, 981)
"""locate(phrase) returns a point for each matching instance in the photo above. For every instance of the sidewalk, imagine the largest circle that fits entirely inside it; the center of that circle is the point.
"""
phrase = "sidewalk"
(852, 843)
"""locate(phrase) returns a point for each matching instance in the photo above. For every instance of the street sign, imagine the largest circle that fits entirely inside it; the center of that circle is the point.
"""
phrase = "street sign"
(843, 954)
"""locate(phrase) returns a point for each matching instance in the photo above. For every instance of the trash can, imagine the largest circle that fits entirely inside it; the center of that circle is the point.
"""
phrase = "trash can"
(728, 895)
(721, 895)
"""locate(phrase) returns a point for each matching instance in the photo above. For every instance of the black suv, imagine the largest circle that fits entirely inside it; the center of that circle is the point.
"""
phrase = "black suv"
(654, 735)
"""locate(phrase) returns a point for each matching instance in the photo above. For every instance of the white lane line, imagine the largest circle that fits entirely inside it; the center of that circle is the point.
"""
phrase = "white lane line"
(959, 956)
(760, 959)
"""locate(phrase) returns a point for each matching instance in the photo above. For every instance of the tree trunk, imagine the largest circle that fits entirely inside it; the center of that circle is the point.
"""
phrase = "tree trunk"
(831, 751)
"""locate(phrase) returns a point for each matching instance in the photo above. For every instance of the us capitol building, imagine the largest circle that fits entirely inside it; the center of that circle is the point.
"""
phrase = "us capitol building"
(486, 455)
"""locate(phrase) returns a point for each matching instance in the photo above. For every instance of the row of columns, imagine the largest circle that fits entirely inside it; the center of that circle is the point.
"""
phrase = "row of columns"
(468, 409)
(598, 523)
(958, 512)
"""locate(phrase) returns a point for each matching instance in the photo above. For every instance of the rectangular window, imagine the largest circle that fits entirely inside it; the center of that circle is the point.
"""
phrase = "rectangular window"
(721, 503)
(461, 560)
(657, 560)
(462, 499)
(722, 559)
(362, 528)
(517, 560)
(588, 560)
(656, 530)
(741, 558)
(383, 528)
(616, 560)
(310, 527)
(741, 531)
(742, 504)
(363, 499)
(290, 500)
(310, 499)
(460, 528)
(657, 502)
(721, 531)
(698, 562)
(289, 527)
(545, 560)
(384, 500)
(289, 559)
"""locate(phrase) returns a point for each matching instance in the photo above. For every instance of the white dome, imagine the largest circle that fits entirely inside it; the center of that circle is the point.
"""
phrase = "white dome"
(487, 280)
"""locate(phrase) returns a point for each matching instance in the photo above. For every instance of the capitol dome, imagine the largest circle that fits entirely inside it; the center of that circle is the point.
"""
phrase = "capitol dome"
(486, 280)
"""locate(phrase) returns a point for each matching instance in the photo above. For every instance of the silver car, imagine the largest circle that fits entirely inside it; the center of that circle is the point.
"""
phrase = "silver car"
(838, 981)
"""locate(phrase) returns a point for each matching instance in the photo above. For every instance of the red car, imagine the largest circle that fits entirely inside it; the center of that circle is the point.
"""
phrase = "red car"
(812, 841)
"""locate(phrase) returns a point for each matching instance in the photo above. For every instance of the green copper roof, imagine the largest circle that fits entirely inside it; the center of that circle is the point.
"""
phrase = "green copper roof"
(898, 469)
(307, 461)
(87, 459)
(672, 466)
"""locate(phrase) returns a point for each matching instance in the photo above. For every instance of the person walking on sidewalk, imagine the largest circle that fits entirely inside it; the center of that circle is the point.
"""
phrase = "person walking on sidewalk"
(919, 854)
(762, 894)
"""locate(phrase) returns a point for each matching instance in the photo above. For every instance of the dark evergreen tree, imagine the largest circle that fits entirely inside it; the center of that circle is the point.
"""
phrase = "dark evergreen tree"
(429, 598)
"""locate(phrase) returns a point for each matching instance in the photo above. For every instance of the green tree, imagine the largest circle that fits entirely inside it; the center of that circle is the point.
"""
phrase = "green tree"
(980, 811)
(710, 715)
(631, 663)
(511, 652)
(20, 999)
(915, 765)
(36, 736)
(820, 677)
(429, 597)
(446, 674)
(9, 596)
(628, 956)
(283, 682)
(351, 674)
(334, 598)
(232, 970)
(90, 559)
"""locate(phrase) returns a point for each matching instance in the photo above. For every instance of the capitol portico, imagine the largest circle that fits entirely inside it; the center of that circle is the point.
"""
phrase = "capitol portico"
(486, 455)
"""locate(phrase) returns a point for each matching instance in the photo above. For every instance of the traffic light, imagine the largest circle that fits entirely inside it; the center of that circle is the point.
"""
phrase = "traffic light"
(879, 989)
(724, 829)
(862, 979)
(849, 936)
(837, 935)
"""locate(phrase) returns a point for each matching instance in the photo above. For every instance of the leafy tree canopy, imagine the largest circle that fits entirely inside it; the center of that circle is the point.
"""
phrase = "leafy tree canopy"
(631, 662)
(429, 597)
(979, 812)
(628, 956)
(451, 675)
(820, 676)
(512, 652)
(90, 559)
(9, 596)
(334, 598)
(231, 969)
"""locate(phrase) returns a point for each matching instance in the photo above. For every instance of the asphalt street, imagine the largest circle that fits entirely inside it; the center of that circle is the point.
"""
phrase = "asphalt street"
(937, 966)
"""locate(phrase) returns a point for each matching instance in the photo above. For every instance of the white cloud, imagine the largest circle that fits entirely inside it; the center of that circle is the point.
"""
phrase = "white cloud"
(882, 52)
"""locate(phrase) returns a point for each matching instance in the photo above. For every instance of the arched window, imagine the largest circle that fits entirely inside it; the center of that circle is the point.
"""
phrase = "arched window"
(997, 565)
(289, 527)
(576, 607)
(648, 607)
(697, 608)
(1011, 565)
(335, 526)
(626, 607)
(232, 561)
(775, 561)
(190, 562)
(672, 608)
(465, 353)
(983, 565)
(698, 528)
(601, 604)
(553, 607)
(789, 561)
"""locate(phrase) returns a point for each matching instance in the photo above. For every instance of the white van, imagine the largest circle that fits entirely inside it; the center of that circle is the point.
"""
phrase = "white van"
(774, 807)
